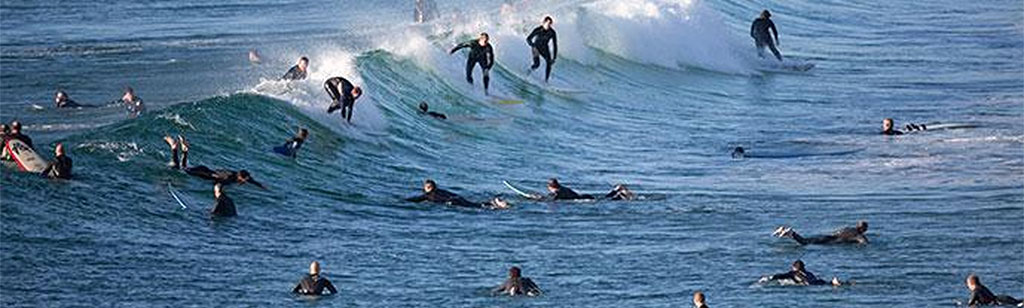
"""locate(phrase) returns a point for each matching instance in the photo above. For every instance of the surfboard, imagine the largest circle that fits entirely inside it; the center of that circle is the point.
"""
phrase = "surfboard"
(786, 66)
(170, 189)
(522, 192)
(26, 158)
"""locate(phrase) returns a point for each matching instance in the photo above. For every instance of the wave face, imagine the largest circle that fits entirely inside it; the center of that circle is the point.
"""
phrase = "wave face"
(651, 93)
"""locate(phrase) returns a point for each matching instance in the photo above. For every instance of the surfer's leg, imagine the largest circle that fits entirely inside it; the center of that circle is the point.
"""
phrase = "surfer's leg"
(174, 151)
(775, 51)
(544, 52)
(759, 45)
(348, 116)
(333, 93)
(202, 172)
(469, 70)
(536, 59)
(487, 77)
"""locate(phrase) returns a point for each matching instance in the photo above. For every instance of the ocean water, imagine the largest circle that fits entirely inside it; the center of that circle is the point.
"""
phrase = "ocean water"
(651, 93)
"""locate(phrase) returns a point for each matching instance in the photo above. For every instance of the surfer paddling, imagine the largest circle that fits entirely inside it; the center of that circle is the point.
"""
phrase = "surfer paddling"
(425, 109)
(436, 195)
(480, 52)
(798, 275)
(982, 296)
(759, 31)
(291, 147)
(888, 128)
(220, 176)
(343, 96)
(538, 41)
(849, 235)
(131, 101)
(516, 284)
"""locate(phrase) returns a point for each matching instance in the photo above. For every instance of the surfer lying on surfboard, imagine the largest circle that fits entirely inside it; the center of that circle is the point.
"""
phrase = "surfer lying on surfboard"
(558, 192)
(220, 176)
(436, 195)
(887, 128)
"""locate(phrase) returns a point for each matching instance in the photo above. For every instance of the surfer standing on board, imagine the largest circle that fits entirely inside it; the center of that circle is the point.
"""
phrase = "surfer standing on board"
(480, 52)
(538, 41)
(759, 30)
(343, 96)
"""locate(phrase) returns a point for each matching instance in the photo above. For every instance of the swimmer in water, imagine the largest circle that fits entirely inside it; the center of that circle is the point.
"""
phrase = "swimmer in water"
(739, 153)
(424, 109)
(61, 100)
(759, 31)
(220, 176)
(436, 195)
(15, 133)
(889, 130)
(516, 284)
(854, 235)
(698, 300)
(798, 275)
(538, 41)
(131, 101)
(299, 71)
(981, 296)
(291, 147)
(314, 284)
(60, 167)
(480, 52)
(343, 96)
(222, 206)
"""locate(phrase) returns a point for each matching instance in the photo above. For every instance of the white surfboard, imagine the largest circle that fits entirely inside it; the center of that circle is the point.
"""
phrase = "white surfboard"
(26, 158)
(175, 195)
(521, 192)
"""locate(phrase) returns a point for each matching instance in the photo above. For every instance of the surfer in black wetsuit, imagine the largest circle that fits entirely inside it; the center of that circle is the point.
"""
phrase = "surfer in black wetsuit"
(436, 195)
(981, 296)
(343, 96)
(739, 153)
(698, 300)
(61, 100)
(220, 176)
(299, 71)
(516, 284)
(60, 167)
(559, 192)
(889, 130)
(131, 101)
(480, 52)
(798, 275)
(223, 206)
(424, 109)
(538, 41)
(620, 192)
(854, 235)
(15, 133)
(759, 30)
(291, 147)
(314, 284)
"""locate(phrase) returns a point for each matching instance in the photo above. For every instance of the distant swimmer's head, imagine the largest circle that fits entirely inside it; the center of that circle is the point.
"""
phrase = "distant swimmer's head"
(862, 226)
(58, 150)
(429, 186)
(314, 268)
(357, 92)
(424, 107)
(303, 63)
(798, 265)
(129, 94)
(973, 282)
(553, 185)
(738, 152)
(766, 14)
(6, 130)
(514, 272)
(698, 299)
(15, 127)
(218, 190)
(303, 133)
(60, 96)
(547, 22)
(244, 176)
(483, 38)
(887, 125)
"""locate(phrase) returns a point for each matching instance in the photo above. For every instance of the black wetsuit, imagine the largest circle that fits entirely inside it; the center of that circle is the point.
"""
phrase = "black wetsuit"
(538, 39)
(340, 91)
(24, 138)
(224, 207)
(437, 115)
(891, 132)
(842, 236)
(798, 277)
(445, 197)
(68, 103)
(293, 145)
(60, 168)
(295, 73)
(520, 286)
(618, 194)
(220, 176)
(701, 306)
(982, 296)
(564, 193)
(484, 55)
(135, 106)
(762, 38)
(314, 285)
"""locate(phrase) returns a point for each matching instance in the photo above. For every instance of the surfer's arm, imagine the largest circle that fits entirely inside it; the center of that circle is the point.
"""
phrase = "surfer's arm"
(46, 171)
(529, 38)
(330, 287)
(753, 26)
(554, 43)
(459, 46)
(490, 56)
(771, 25)
(417, 199)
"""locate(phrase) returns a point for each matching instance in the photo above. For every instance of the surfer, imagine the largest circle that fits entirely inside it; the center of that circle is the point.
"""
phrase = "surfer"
(299, 71)
(559, 192)
(480, 52)
(436, 195)
(291, 147)
(62, 100)
(60, 167)
(798, 275)
(538, 41)
(981, 296)
(698, 300)
(620, 192)
(759, 30)
(889, 130)
(516, 284)
(223, 206)
(854, 235)
(738, 153)
(314, 284)
(220, 176)
(15, 133)
(343, 96)
(424, 109)
(131, 101)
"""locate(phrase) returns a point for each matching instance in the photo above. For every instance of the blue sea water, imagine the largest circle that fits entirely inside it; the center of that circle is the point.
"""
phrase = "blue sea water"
(653, 93)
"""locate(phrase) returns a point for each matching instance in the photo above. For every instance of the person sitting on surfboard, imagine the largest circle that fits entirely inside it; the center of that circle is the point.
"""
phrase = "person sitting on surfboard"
(62, 100)
(299, 71)
(698, 300)
(436, 195)
(981, 296)
(223, 206)
(291, 147)
(343, 96)
(799, 276)
(559, 192)
(424, 109)
(854, 235)
(130, 100)
(516, 284)
(538, 41)
(220, 176)
(759, 31)
(314, 284)
(480, 52)
(60, 167)
(887, 127)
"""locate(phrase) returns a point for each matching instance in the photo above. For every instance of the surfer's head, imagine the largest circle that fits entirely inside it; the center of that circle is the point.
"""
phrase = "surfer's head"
(303, 63)
(15, 127)
(60, 96)
(357, 92)
(6, 130)
(547, 22)
(766, 14)
(244, 176)
(738, 152)
(314, 268)
(887, 125)
(217, 190)
(58, 150)
(862, 226)
(483, 38)
(798, 265)
(973, 282)
(698, 299)
(129, 94)
(429, 186)
(424, 107)
(553, 185)
(303, 133)
(514, 272)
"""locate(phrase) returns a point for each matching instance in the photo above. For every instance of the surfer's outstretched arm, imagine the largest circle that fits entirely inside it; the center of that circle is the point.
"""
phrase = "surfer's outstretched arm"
(459, 46)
